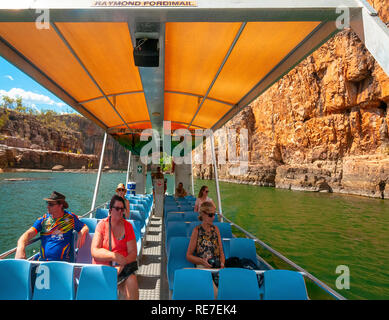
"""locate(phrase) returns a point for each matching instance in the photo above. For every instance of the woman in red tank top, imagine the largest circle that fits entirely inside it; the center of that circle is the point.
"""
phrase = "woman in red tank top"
(123, 246)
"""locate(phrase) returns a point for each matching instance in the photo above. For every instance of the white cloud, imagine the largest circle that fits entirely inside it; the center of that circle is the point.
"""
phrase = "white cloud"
(30, 97)
(9, 77)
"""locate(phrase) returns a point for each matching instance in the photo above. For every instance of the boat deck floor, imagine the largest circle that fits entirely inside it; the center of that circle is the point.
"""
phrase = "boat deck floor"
(151, 275)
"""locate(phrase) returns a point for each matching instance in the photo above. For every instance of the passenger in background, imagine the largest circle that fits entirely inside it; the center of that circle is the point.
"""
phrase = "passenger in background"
(56, 230)
(205, 248)
(180, 191)
(121, 192)
(203, 196)
(114, 244)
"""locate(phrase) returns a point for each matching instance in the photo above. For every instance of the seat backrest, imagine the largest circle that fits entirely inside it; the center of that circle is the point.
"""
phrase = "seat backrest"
(193, 284)
(191, 226)
(174, 217)
(136, 226)
(135, 215)
(226, 247)
(238, 284)
(243, 248)
(15, 280)
(101, 213)
(177, 257)
(91, 223)
(54, 281)
(284, 285)
(84, 254)
(175, 229)
(191, 216)
(224, 228)
(97, 283)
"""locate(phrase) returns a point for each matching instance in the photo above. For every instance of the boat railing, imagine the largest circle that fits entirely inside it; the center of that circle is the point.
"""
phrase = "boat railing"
(32, 241)
(305, 273)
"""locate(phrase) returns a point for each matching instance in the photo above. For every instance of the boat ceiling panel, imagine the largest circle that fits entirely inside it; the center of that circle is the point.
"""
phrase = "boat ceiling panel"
(210, 113)
(180, 107)
(194, 51)
(261, 46)
(106, 51)
(103, 111)
(132, 107)
(45, 49)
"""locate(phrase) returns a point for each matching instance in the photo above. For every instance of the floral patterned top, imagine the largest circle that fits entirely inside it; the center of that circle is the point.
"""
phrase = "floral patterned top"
(207, 244)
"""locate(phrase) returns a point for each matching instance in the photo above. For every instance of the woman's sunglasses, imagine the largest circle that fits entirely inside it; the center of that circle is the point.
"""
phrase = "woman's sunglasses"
(211, 215)
(118, 208)
(121, 190)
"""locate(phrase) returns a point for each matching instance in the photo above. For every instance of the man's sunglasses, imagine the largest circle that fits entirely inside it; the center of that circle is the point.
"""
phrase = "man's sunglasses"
(118, 208)
(50, 204)
(120, 190)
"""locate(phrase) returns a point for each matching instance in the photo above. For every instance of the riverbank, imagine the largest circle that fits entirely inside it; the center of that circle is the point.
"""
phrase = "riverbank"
(8, 170)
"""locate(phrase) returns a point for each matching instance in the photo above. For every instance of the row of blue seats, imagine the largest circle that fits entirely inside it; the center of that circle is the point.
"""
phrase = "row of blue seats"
(25, 280)
(178, 246)
(239, 284)
(185, 216)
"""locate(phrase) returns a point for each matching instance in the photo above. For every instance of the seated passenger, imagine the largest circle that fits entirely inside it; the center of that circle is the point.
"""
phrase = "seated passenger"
(56, 231)
(121, 192)
(180, 191)
(202, 197)
(205, 248)
(114, 244)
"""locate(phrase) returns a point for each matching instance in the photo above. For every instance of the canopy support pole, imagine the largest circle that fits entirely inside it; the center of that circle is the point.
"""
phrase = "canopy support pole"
(98, 175)
(128, 167)
(191, 162)
(219, 201)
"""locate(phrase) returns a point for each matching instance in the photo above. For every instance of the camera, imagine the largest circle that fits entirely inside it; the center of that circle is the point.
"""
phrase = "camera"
(214, 263)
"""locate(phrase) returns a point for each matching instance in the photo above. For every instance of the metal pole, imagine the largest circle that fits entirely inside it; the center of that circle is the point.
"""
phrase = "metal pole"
(219, 201)
(191, 160)
(99, 174)
(128, 168)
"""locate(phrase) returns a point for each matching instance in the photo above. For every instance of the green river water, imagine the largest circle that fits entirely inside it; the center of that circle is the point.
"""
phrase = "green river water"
(318, 231)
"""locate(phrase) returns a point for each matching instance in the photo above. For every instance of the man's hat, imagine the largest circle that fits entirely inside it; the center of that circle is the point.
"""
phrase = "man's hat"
(120, 186)
(58, 197)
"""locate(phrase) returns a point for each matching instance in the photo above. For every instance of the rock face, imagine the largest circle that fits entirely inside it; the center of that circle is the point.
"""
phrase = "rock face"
(25, 142)
(323, 126)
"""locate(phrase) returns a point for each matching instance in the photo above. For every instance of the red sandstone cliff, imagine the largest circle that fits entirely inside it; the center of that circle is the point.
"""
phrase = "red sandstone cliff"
(323, 126)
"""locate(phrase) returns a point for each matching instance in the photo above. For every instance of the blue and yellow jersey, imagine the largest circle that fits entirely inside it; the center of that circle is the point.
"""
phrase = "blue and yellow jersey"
(56, 235)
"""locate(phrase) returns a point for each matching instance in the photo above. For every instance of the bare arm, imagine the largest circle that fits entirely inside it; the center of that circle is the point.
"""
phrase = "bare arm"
(82, 235)
(98, 252)
(23, 241)
(191, 248)
(132, 251)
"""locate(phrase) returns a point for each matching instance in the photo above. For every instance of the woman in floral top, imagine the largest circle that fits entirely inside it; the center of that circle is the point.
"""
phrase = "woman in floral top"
(205, 248)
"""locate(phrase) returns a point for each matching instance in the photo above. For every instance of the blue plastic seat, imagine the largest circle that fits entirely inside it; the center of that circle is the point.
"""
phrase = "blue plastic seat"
(138, 236)
(243, 248)
(226, 247)
(193, 284)
(175, 229)
(173, 217)
(97, 283)
(91, 223)
(191, 216)
(101, 213)
(186, 207)
(284, 285)
(177, 258)
(224, 228)
(84, 254)
(135, 215)
(238, 284)
(54, 281)
(15, 280)
(191, 226)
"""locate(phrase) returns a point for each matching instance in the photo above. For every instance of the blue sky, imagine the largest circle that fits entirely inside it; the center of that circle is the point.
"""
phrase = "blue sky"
(14, 82)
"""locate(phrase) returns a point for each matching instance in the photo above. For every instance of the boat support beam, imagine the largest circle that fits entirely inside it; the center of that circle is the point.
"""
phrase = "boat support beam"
(128, 168)
(98, 175)
(219, 201)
